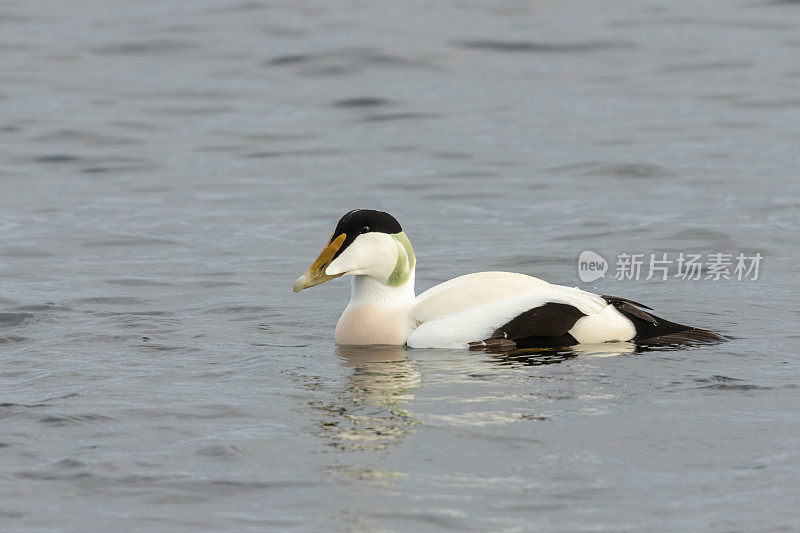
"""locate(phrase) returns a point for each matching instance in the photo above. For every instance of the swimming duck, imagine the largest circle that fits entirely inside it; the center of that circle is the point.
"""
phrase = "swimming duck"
(500, 310)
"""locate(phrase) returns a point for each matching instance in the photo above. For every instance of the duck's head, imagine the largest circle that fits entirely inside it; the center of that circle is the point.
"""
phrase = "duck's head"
(365, 243)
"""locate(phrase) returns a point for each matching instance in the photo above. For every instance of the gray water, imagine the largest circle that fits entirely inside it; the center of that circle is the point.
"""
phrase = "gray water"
(167, 169)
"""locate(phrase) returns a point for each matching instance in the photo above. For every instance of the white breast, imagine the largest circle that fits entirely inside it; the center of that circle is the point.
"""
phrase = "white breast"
(374, 324)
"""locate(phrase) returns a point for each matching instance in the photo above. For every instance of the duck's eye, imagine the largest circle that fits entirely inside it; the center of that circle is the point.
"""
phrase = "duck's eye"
(365, 229)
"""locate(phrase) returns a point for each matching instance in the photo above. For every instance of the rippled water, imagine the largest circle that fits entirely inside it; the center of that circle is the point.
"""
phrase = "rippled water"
(168, 169)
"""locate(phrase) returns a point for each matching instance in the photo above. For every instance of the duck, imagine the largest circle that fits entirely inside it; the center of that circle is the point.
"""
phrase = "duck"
(484, 310)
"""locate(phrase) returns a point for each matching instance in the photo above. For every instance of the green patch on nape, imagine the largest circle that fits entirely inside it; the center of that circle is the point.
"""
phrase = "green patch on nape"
(406, 261)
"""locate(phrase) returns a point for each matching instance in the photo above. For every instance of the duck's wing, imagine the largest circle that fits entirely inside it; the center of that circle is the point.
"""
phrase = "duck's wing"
(504, 305)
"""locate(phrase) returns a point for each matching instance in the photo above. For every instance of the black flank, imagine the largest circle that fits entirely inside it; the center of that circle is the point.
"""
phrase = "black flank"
(545, 326)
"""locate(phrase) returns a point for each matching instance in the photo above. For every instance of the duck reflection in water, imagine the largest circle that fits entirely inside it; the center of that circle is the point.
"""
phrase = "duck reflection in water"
(372, 410)
(370, 413)
(549, 356)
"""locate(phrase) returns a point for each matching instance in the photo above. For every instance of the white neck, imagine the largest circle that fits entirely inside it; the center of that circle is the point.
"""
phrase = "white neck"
(377, 313)
(364, 290)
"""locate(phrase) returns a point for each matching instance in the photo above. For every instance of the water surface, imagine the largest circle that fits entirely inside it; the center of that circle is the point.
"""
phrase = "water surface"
(168, 169)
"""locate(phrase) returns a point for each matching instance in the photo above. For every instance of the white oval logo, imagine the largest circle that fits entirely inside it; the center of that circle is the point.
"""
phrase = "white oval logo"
(591, 266)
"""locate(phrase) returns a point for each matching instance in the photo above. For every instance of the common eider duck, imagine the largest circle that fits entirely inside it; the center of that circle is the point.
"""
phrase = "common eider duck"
(500, 310)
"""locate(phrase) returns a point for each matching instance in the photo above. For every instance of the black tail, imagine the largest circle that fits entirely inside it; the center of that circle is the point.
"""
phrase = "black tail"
(654, 330)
